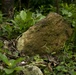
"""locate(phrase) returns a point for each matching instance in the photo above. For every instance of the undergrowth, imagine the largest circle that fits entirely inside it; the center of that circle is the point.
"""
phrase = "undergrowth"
(64, 64)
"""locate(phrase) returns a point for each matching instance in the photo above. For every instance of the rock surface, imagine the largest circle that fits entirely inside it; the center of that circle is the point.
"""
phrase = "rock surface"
(46, 36)
(31, 70)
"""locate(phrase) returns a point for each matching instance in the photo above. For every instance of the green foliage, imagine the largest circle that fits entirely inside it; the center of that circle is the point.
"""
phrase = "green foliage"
(44, 9)
(67, 64)
(1, 44)
(21, 23)
(69, 14)
(25, 19)
(7, 30)
(38, 3)
(1, 18)
(11, 64)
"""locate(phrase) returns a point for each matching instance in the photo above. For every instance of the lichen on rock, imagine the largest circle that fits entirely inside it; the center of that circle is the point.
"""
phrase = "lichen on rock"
(46, 36)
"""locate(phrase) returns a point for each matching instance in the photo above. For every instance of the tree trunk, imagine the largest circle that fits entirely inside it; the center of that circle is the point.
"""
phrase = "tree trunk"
(8, 8)
(57, 6)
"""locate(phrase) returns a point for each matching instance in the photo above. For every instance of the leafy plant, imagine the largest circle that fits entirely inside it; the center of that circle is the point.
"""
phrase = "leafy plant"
(11, 65)
(69, 14)
(25, 19)
(6, 31)
(22, 21)
(44, 9)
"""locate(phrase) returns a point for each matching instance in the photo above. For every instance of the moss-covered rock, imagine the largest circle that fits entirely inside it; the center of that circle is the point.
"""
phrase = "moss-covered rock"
(31, 70)
(46, 36)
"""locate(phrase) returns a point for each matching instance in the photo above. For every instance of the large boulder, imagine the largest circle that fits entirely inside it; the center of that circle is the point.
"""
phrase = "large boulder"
(46, 36)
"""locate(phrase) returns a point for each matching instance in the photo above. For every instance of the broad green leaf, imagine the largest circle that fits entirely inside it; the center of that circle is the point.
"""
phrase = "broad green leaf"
(23, 15)
(4, 58)
(69, 14)
(14, 22)
(17, 18)
(1, 44)
(8, 71)
(11, 63)
(18, 68)
(58, 68)
(29, 16)
(8, 28)
(64, 12)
